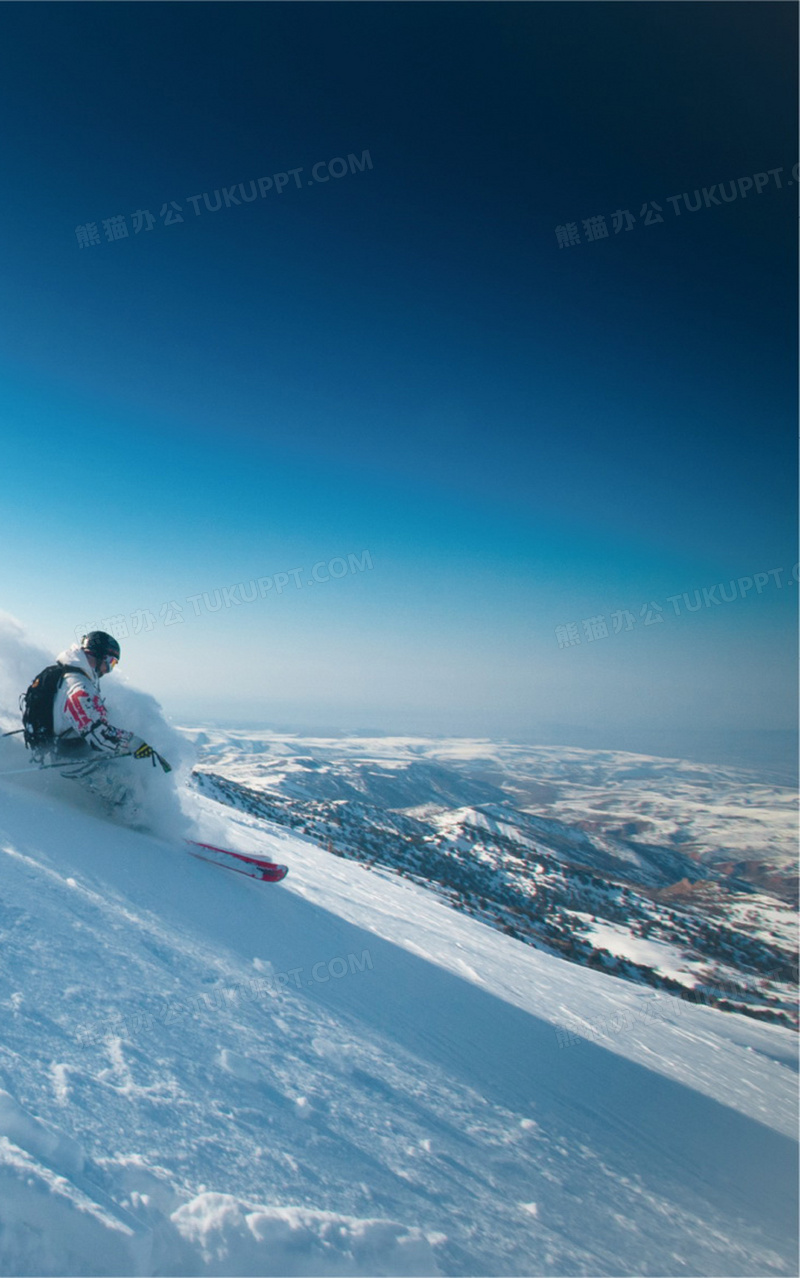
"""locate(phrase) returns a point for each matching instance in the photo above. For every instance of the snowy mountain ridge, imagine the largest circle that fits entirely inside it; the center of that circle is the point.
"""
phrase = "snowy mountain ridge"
(625, 896)
(706, 811)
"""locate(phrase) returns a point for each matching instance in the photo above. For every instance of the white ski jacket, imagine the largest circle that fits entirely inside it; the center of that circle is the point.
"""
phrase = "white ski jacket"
(80, 712)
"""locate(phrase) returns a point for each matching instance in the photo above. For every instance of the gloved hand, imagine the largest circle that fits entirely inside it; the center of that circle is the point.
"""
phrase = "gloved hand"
(141, 750)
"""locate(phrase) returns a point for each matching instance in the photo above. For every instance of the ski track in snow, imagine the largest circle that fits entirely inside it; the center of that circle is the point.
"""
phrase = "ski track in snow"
(414, 1113)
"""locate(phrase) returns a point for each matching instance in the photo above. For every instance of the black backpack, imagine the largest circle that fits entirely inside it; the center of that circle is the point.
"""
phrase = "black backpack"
(37, 707)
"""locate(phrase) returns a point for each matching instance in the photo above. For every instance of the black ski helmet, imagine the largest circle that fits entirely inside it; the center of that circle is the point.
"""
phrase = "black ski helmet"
(99, 645)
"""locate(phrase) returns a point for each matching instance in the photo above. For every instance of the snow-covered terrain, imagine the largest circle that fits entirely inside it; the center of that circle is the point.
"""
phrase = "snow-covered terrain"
(698, 808)
(339, 1075)
(538, 860)
(201, 1074)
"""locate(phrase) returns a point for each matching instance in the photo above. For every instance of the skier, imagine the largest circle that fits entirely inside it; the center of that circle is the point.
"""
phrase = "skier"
(81, 729)
(65, 720)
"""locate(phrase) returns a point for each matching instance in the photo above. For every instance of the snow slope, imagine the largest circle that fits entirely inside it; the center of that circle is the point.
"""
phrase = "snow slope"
(339, 1075)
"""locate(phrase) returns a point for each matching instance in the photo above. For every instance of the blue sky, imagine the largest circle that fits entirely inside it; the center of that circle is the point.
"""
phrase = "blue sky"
(401, 360)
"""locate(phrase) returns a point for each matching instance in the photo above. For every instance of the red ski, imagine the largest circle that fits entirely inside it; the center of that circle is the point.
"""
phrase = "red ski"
(255, 867)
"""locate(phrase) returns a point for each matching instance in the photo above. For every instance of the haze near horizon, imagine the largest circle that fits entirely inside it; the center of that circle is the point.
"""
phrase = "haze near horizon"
(424, 368)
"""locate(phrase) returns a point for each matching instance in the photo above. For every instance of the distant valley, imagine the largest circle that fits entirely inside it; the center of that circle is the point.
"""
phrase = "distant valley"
(679, 875)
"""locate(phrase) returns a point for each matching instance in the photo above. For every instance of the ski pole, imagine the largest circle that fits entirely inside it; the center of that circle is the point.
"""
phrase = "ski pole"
(13, 772)
(66, 763)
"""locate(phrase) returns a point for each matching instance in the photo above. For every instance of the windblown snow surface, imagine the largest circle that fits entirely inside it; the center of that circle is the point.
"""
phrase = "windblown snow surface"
(338, 1075)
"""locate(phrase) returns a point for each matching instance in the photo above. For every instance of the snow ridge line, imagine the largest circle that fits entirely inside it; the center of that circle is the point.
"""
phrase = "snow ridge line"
(619, 1022)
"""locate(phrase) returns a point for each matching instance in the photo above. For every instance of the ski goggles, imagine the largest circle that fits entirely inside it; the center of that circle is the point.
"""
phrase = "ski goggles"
(110, 661)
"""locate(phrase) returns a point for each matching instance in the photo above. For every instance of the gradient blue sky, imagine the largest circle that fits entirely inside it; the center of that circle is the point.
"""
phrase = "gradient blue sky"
(402, 360)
